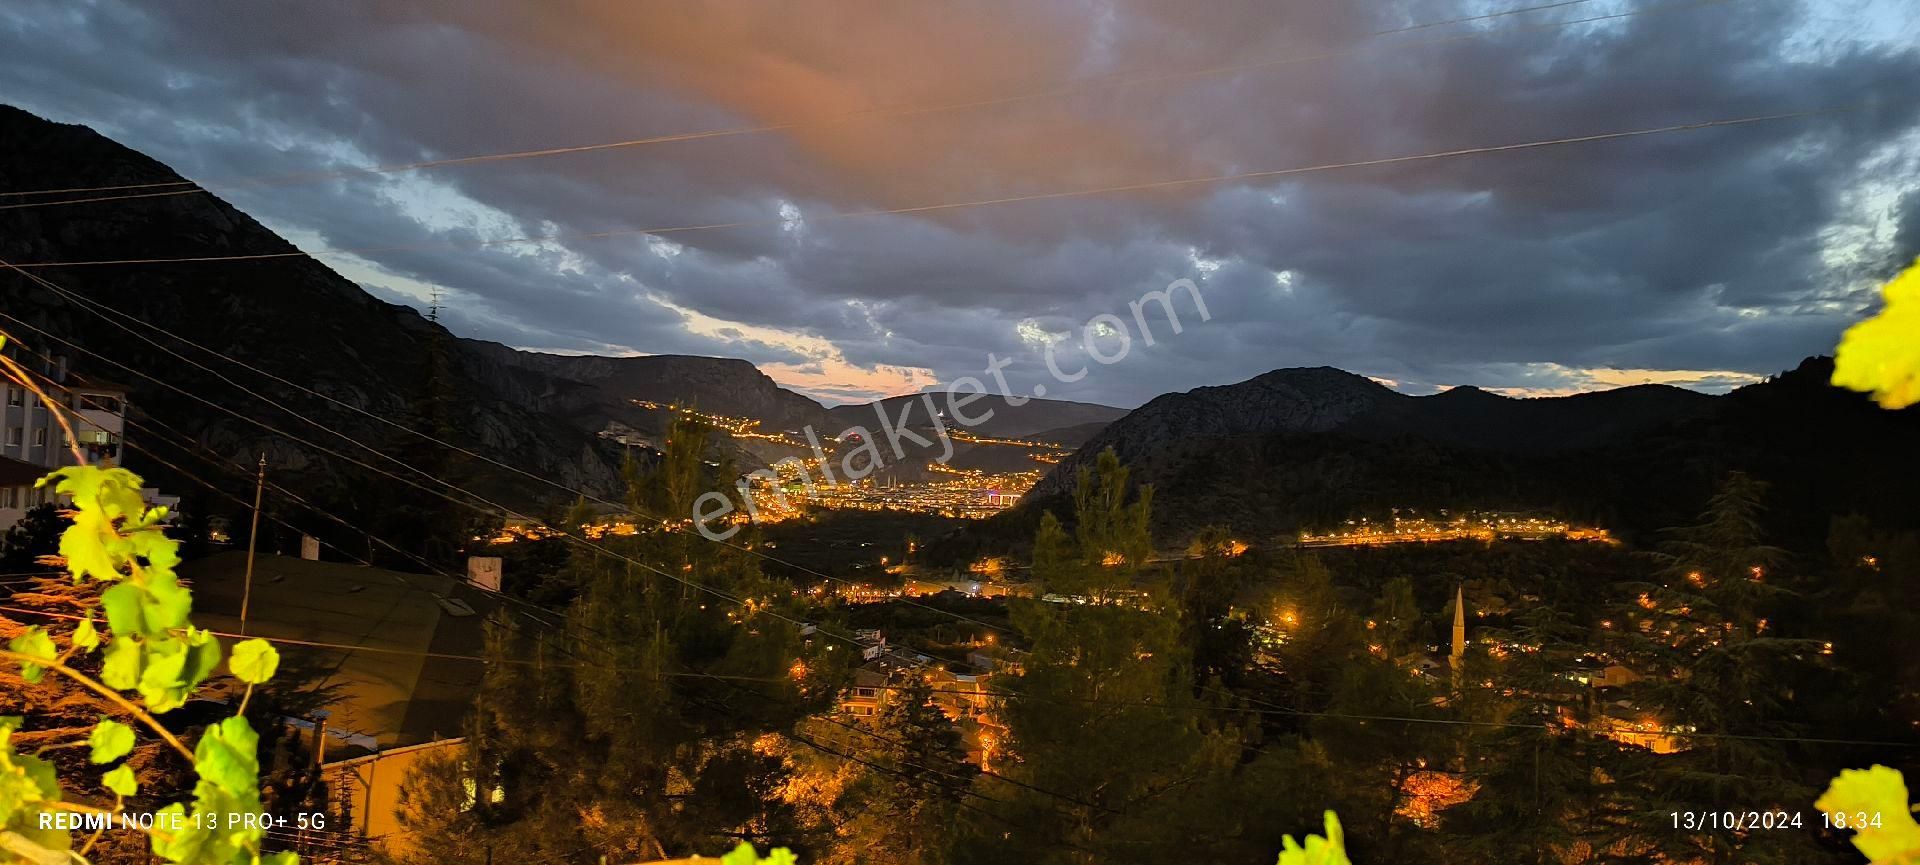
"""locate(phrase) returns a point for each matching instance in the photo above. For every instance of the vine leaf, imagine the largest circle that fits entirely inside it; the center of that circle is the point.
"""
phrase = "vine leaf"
(1881, 792)
(25, 782)
(254, 661)
(120, 780)
(121, 667)
(744, 855)
(85, 637)
(34, 643)
(111, 740)
(1331, 850)
(1882, 354)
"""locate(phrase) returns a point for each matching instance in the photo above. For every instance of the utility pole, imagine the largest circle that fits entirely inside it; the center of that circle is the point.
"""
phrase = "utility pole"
(253, 539)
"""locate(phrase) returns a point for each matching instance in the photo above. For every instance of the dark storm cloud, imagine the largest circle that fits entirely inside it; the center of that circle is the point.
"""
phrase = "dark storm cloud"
(1711, 250)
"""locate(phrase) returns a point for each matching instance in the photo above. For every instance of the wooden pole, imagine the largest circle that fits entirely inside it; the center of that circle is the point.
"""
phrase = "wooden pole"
(253, 539)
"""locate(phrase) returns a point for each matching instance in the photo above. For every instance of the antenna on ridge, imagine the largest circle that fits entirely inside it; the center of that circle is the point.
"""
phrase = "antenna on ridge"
(433, 305)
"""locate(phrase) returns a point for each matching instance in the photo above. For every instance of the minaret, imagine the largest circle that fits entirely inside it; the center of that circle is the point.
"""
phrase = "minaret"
(1458, 660)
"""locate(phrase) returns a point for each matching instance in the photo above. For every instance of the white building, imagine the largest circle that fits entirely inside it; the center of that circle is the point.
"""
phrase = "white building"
(33, 441)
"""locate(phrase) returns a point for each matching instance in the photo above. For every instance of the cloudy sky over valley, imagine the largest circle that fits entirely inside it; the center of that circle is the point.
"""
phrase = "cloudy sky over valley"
(892, 191)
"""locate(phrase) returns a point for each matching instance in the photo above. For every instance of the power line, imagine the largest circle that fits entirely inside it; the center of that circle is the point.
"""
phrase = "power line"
(981, 202)
(176, 441)
(1269, 707)
(487, 506)
(417, 653)
(501, 595)
(1065, 88)
(520, 605)
(103, 310)
(398, 577)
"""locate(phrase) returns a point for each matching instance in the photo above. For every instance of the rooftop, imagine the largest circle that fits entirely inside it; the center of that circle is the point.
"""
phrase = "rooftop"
(390, 691)
(14, 473)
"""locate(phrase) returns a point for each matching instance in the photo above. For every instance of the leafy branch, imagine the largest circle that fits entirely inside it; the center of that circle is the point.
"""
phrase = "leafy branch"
(149, 647)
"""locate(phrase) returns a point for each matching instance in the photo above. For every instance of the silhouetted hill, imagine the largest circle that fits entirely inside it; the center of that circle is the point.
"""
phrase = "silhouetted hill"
(1306, 448)
(715, 385)
(1023, 421)
(291, 316)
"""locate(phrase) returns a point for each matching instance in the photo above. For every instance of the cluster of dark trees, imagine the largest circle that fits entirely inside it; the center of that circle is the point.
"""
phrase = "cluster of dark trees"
(1180, 715)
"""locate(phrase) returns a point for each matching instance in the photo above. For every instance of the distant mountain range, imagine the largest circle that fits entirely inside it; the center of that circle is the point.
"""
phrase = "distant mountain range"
(1328, 400)
(1288, 449)
(296, 318)
(1308, 448)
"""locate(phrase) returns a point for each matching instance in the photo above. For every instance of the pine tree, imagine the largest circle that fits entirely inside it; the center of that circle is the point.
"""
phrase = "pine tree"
(1112, 533)
(1103, 718)
(1711, 661)
(1219, 641)
(904, 812)
(604, 724)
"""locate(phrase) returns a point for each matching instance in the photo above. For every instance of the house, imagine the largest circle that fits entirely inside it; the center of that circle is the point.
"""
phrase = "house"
(30, 433)
(962, 694)
(366, 790)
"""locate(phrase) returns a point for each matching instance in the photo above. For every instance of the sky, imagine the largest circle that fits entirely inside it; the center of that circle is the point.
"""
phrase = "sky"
(851, 231)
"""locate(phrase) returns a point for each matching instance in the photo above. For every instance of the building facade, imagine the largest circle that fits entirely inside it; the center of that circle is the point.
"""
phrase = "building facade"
(32, 440)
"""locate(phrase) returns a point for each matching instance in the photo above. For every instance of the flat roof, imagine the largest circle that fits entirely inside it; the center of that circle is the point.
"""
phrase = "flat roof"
(389, 691)
(15, 473)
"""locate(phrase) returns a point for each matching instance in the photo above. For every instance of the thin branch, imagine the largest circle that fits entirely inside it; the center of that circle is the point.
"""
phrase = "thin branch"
(118, 802)
(19, 374)
(109, 693)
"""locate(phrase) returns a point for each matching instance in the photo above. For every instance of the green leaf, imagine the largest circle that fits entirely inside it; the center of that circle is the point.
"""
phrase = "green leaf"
(111, 740)
(37, 645)
(85, 637)
(254, 661)
(120, 668)
(744, 855)
(122, 603)
(203, 656)
(120, 781)
(1331, 850)
(165, 602)
(225, 756)
(163, 678)
(1882, 791)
